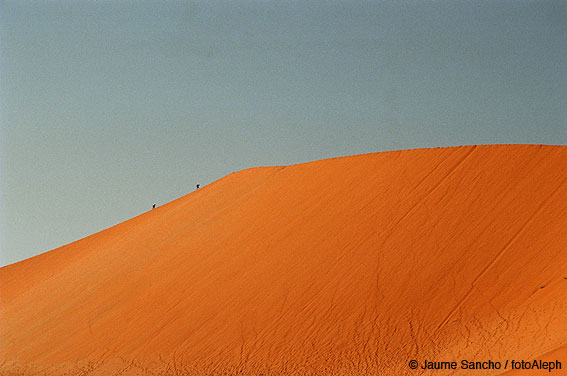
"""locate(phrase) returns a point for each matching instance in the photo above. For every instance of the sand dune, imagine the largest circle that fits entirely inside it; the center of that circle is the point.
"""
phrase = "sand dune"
(345, 266)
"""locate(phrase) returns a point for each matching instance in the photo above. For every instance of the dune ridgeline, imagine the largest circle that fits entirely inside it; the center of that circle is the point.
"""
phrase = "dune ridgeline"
(344, 266)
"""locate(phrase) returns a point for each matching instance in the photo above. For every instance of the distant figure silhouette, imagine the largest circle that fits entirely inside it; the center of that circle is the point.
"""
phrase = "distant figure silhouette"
(198, 185)
(153, 206)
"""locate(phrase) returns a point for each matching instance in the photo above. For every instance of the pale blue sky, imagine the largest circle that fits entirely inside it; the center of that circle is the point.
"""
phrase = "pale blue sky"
(110, 106)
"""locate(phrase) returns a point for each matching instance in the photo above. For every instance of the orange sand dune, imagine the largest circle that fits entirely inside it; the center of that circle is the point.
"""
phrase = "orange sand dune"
(345, 266)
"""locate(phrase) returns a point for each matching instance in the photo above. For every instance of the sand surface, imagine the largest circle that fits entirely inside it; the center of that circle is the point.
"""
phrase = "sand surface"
(345, 266)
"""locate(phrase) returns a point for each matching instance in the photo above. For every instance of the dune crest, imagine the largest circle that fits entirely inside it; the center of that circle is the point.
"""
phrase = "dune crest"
(344, 266)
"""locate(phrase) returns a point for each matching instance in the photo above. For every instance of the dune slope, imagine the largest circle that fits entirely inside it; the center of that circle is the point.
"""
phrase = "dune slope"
(345, 266)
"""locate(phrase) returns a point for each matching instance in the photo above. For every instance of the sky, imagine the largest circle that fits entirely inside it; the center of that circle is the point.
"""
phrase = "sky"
(110, 106)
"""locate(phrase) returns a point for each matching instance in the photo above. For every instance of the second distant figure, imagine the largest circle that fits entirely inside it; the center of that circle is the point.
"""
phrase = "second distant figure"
(198, 185)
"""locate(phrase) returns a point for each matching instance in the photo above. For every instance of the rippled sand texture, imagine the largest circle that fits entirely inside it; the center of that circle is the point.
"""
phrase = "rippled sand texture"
(345, 266)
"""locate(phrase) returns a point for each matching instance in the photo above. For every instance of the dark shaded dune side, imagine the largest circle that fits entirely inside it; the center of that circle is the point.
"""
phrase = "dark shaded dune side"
(342, 266)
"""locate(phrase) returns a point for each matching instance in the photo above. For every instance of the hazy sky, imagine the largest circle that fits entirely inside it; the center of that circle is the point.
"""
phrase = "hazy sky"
(110, 106)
